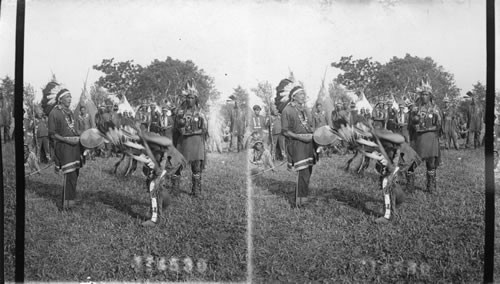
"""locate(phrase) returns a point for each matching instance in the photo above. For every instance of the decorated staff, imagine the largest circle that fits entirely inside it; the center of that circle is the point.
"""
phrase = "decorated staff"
(191, 127)
(297, 129)
(426, 121)
(61, 128)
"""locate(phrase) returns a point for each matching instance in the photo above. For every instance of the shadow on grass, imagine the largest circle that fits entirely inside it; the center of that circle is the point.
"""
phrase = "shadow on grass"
(116, 200)
(285, 189)
(349, 197)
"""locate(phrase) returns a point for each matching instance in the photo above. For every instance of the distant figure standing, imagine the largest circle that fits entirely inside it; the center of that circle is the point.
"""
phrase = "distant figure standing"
(259, 123)
(319, 117)
(5, 121)
(450, 125)
(236, 128)
(83, 120)
(402, 122)
(338, 116)
(42, 136)
(474, 122)
(278, 140)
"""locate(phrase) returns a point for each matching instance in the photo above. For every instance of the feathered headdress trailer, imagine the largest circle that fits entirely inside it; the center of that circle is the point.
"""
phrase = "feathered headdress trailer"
(283, 94)
(50, 96)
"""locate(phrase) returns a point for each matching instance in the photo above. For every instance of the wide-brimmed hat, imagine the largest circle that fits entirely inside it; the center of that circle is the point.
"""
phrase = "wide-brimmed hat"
(255, 142)
(91, 138)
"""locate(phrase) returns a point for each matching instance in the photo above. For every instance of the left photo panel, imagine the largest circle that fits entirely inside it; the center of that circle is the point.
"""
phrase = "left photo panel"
(131, 173)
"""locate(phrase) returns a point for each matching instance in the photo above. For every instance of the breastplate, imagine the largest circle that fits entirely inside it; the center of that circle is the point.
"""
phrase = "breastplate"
(189, 122)
(427, 118)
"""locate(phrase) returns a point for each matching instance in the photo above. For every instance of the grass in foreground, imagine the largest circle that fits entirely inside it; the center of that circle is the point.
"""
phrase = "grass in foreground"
(201, 239)
(436, 238)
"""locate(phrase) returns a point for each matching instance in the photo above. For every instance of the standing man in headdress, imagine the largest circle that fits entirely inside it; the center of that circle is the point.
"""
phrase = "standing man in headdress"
(474, 122)
(298, 131)
(450, 124)
(191, 126)
(67, 150)
(426, 120)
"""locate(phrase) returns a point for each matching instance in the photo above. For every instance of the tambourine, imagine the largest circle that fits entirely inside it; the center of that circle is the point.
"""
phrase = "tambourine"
(90, 138)
(324, 136)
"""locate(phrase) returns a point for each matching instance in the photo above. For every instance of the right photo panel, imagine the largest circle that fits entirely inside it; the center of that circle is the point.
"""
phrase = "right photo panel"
(365, 138)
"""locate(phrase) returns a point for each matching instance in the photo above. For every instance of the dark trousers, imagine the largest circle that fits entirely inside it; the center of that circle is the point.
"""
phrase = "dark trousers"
(236, 141)
(474, 136)
(303, 182)
(449, 138)
(69, 185)
(278, 147)
(44, 149)
(196, 167)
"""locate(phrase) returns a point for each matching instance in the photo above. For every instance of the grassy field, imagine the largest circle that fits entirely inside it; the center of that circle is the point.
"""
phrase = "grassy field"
(201, 239)
(435, 238)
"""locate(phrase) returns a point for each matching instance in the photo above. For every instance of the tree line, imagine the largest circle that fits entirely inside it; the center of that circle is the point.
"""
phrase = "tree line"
(162, 81)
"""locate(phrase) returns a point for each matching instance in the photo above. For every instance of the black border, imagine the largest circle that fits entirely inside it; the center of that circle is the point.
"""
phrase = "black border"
(489, 210)
(19, 140)
(489, 244)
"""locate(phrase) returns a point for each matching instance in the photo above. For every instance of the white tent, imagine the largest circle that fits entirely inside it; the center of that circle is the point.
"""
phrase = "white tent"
(124, 106)
(362, 102)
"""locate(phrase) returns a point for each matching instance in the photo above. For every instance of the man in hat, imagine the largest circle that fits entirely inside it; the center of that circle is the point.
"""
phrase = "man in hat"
(191, 126)
(319, 117)
(62, 131)
(260, 158)
(450, 124)
(166, 122)
(259, 124)
(401, 121)
(474, 122)
(392, 117)
(426, 121)
(297, 129)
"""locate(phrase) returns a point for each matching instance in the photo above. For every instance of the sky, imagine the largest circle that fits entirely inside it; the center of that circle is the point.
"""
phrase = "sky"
(244, 42)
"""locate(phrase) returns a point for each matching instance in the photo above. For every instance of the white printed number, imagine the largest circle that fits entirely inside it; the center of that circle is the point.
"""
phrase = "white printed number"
(149, 263)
